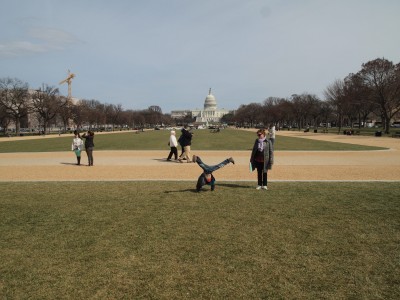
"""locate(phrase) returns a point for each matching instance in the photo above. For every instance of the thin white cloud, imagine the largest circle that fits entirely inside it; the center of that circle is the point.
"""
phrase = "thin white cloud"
(53, 36)
(38, 40)
(18, 48)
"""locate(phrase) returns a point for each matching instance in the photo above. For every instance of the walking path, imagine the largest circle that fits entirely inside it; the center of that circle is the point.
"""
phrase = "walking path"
(383, 165)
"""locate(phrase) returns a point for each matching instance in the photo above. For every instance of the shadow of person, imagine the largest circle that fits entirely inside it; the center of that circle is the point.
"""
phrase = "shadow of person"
(68, 163)
(181, 191)
(228, 185)
(164, 160)
(232, 185)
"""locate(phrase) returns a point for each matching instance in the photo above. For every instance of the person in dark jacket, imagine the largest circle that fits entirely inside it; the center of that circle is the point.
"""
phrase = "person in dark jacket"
(262, 158)
(185, 140)
(207, 178)
(89, 145)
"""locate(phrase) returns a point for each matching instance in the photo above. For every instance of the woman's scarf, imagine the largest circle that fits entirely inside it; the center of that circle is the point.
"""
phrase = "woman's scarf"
(261, 144)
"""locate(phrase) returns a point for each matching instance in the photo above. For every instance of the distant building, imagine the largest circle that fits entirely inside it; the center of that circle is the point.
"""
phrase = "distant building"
(209, 114)
(178, 114)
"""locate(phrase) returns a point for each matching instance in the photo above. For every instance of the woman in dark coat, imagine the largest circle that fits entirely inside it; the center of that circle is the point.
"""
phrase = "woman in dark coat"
(262, 159)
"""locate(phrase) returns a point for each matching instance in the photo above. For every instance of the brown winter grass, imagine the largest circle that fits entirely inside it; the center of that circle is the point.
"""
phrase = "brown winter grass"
(161, 240)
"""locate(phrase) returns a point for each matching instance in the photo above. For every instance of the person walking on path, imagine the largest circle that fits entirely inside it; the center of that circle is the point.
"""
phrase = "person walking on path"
(173, 143)
(186, 142)
(180, 143)
(262, 159)
(89, 145)
(272, 134)
(77, 146)
(207, 178)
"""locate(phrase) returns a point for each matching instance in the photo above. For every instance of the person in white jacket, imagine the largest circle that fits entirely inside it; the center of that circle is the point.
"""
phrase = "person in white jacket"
(173, 143)
(77, 146)
(272, 134)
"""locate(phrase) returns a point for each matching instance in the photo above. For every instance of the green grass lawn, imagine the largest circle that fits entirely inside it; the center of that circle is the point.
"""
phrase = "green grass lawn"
(227, 139)
(362, 131)
(161, 240)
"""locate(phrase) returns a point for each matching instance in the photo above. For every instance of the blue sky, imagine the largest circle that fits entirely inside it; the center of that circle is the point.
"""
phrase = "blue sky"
(169, 53)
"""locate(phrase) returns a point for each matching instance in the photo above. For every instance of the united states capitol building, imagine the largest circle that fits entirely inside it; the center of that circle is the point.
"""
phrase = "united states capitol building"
(209, 114)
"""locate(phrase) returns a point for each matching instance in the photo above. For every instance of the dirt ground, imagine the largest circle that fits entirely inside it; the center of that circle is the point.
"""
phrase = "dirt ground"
(381, 165)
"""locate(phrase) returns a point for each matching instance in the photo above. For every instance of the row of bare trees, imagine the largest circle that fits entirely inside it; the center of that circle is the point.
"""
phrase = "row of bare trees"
(374, 89)
(95, 114)
(49, 108)
(297, 111)
(372, 92)
(17, 102)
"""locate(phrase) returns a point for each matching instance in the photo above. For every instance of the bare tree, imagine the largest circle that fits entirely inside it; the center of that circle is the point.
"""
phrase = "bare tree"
(139, 119)
(358, 98)
(284, 112)
(134, 119)
(326, 112)
(155, 108)
(4, 119)
(15, 98)
(248, 115)
(263, 117)
(113, 113)
(382, 77)
(272, 111)
(335, 96)
(47, 103)
(228, 118)
(301, 108)
(79, 113)
(92, 113)
(314, 107)
(152, 117)
(66, 112)
(167, 119)
(125, 117)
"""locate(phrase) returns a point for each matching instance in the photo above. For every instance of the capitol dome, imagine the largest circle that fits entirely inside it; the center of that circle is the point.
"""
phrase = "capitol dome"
(210, 103)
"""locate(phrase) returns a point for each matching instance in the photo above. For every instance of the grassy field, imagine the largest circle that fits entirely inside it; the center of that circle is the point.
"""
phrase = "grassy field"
(227, 139)
(162, 240)
(141, 240)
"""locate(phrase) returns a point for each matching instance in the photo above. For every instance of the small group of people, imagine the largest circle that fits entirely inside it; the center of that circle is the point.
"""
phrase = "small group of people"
(78, 145)
(185, 140)
(261, 158)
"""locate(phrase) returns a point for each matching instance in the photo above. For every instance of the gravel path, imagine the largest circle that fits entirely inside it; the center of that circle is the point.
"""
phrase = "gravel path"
(381, 165)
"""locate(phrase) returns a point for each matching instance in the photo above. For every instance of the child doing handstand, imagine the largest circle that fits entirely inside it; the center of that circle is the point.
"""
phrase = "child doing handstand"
(207, 178)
